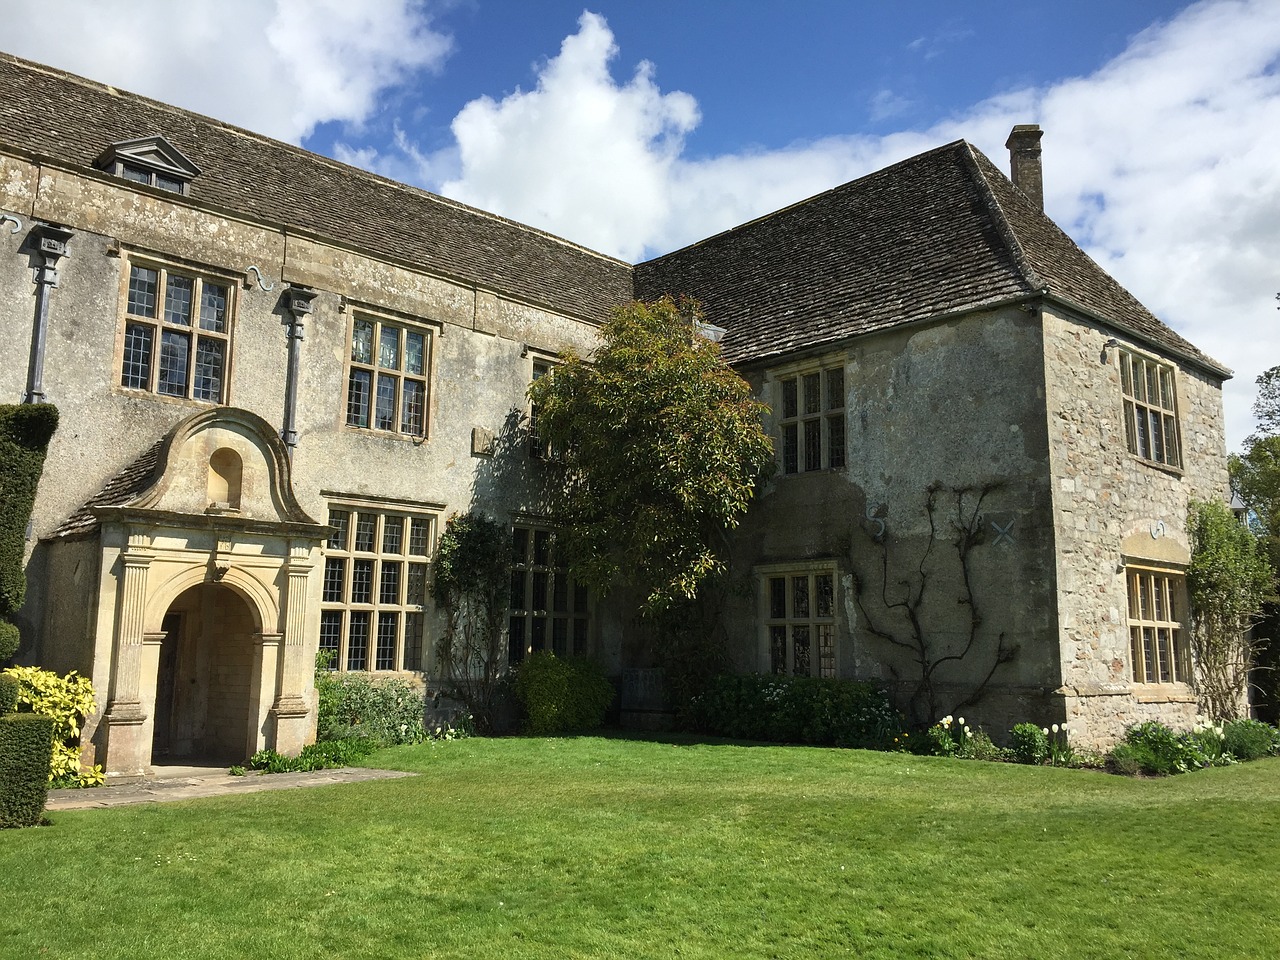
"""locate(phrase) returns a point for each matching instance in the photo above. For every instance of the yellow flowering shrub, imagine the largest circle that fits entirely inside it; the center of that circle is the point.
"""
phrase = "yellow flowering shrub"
(66, 701)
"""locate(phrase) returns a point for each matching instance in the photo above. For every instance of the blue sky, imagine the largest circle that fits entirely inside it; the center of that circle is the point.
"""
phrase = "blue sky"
(636, 126)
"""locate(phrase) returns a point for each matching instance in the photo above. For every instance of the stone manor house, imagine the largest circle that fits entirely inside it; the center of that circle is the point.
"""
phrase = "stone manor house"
(278, 376)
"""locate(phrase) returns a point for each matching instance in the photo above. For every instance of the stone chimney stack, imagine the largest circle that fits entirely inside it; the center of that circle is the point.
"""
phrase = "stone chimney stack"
(1024, 161)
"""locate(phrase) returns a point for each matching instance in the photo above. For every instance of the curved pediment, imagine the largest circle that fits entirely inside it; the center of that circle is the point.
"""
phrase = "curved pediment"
(223, 461)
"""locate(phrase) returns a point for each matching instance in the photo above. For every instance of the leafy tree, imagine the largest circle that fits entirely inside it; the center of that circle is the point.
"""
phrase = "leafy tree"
(470, 576)
(1228, 580)
(661, 445)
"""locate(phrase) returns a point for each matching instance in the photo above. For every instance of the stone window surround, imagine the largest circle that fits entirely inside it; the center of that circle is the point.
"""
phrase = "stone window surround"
(823, 631)
(380, 316)
(1164, 622)
(408, 653)
(200, 273)
(830, 420)
(561, 623)
(1132, 406)
(541, 362)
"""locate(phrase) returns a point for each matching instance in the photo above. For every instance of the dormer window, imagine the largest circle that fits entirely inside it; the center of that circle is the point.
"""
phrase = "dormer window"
(153, 161)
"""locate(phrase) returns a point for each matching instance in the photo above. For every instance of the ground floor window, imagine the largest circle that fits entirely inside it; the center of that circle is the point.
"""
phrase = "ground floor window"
(375, 587)
(800, 621)
(548, 609)
(1158, 645)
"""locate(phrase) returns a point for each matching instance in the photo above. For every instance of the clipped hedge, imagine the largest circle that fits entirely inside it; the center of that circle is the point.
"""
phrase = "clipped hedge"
(25, 430)
(9, 689)
(26, 745)
(783, 709)
(562, 695)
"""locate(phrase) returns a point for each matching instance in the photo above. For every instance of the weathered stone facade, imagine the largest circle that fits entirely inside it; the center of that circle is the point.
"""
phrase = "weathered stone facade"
(924, 332)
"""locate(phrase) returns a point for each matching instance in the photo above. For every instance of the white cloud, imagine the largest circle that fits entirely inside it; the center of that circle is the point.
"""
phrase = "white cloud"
(581, 154)
(275, 66)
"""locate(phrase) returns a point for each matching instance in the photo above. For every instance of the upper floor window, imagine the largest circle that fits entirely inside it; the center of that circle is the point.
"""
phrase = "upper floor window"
(1158, 645)
(1150, 411)
(177, 333)
(538, 448)
(548, 608)
(801, 621)
(387, 376)
(813, 420)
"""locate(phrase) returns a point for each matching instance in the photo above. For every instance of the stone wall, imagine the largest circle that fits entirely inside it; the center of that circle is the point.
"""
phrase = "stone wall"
(1111, 508)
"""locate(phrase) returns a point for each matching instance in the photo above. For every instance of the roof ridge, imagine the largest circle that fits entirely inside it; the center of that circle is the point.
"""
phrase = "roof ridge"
(297, 150)
(1016, 250)
(840, 187)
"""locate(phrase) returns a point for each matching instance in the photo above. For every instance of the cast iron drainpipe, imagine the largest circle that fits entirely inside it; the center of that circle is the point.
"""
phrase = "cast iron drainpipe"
(298, 302)
(50, 244)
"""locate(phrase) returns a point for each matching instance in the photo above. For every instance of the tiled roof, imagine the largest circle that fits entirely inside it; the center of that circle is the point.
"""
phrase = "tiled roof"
(69, 121)
(126, 485)
(941, 232)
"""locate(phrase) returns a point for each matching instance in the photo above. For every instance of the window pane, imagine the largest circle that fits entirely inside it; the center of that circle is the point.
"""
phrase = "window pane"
(331, 634)
(392, 534)
(539, 599)
(416, 586)
(826, 651)
(136, 174)
(1166, 388)
(800, 651)
(790, 449)
(175, 351)
(560, 637)
(362, 581)
(210, 360)
(413, 641)
(335, 574)
(835, 389)
(824, 590)
(777, 598)
(362, 341)
(366, 524)
(135, 372)
(415, 353)
(778, 649)
(385, 654)
(515, 640)
(1130, 437)
(168, 183)
(520, 545)
(541, 548)
(813, 444)
(213, 307)
(517, 599)
(389, 587)
(1157, 436)
(413, 407)
(389, 348)
(812, 393)
(579, 637)
(358, 641)
(538, 633)
(339, 520)
(142, 291)
(560, 594)
(418, 532)
(789, 407)
(385, 417)
(1135, 655)
(177, 300)
(799, 596)
(358, 398)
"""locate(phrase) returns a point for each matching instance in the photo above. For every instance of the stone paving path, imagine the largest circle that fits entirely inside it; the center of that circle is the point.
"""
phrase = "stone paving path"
(193, 783)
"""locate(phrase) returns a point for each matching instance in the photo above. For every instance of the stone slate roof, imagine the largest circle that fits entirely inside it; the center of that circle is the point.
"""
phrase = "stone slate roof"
(941, 232)
(129, 483)
(68, 121)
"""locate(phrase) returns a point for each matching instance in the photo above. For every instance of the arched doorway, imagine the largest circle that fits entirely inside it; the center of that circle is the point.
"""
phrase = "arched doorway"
(204, 684)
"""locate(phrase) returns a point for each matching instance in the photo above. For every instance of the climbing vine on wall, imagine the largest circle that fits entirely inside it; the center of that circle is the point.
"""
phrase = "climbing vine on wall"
(902, 601)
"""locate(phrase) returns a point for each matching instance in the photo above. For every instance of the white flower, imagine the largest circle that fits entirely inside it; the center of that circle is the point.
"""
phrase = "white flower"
(1045, 731)
(961, 721)
(966, 731)
(1055, 728)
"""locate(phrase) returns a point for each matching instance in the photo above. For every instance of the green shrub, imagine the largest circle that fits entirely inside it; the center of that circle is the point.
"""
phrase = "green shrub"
(978, 746)
(66, 701)
(388, 710)
(8, 694)
(25, 430)
(322, 755)
(26, 744)
(1249, 739)
(1155, 749)
(782, 709)
(1029, 744)
(10, 640)
(562, 695)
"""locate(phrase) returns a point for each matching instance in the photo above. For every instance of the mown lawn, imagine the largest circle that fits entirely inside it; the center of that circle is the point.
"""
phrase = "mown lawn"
(598, 847)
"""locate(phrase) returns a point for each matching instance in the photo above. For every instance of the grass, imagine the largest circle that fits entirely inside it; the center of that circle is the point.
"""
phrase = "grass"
(599, 847)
